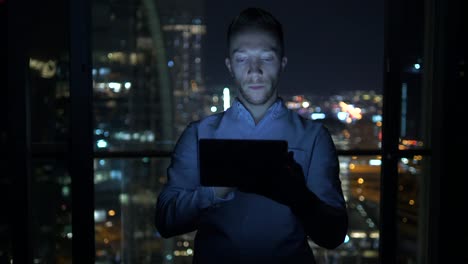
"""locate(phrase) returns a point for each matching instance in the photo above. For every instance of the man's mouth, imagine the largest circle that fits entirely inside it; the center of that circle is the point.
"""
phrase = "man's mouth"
(256, 87)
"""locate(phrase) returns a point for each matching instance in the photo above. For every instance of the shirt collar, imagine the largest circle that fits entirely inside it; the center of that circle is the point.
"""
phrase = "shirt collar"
(276, 110)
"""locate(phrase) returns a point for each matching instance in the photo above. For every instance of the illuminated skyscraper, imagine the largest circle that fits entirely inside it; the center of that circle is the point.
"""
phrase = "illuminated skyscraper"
(148, 85)
(184, 32)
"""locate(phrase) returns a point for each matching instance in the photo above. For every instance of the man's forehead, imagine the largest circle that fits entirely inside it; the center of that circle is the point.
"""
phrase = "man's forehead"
(254, 34)
(259, 40)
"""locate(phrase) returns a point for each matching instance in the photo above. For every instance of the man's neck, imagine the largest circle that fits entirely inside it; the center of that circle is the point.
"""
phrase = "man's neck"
(258, 111)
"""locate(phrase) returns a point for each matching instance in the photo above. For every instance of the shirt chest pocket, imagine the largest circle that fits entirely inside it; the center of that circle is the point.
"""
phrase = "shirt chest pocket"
(300, 157)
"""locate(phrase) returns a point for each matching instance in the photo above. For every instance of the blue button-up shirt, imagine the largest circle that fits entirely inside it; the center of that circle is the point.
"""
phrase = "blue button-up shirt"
(245, 227)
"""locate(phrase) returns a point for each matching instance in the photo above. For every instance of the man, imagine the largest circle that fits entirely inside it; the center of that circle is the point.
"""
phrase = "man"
(270, 223)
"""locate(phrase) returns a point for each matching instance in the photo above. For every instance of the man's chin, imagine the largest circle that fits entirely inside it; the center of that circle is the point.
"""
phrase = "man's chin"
(259, 98)
(256, 101)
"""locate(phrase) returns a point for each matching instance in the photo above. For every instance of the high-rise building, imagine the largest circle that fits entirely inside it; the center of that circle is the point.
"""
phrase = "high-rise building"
(184, 30)
(148, 85)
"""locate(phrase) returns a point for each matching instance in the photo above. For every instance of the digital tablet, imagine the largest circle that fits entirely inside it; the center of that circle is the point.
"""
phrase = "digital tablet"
(232, 162)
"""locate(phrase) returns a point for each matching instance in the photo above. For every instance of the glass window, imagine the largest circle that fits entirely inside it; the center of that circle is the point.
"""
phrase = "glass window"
(50, 189)
(415, 106)
(360, 179)
(126, 192)
(412, 205)
(148, 77)
(354, 119)
(49, 74)
(51, 211)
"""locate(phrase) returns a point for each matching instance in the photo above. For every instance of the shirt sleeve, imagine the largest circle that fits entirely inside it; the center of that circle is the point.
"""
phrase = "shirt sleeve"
(182, 198)
(324, 171)
(323, 211)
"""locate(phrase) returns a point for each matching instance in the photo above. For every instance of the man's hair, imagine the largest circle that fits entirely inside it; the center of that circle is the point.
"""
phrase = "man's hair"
(258, 19)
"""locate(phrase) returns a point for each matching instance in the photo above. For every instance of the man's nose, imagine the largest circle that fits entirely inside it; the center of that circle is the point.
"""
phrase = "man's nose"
(255, 66)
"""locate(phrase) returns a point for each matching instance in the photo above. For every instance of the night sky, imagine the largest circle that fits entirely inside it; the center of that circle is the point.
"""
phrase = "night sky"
(331, 45)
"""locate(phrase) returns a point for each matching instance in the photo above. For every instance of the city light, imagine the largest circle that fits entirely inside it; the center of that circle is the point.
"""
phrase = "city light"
(346, 240)
(66, 191)
(342, 116)
(376, 118)
(374, 234)
(104, 71)
(353, 113)
(115, 86)
(99, 215)
(46, 69)
(358, 234)
(226, 98)
(116, 174)
(101, 143)
(315, 116)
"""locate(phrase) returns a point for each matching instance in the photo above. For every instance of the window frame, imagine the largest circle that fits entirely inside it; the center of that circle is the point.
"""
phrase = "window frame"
(79, 151)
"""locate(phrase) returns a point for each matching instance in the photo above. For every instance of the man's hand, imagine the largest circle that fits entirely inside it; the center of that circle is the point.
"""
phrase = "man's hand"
(222, 192)
(288, 186)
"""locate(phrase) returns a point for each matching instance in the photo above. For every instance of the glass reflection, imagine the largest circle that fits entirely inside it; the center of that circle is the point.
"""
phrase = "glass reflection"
(126, 191)
(411, 205)
(51, 212)
(360, 179)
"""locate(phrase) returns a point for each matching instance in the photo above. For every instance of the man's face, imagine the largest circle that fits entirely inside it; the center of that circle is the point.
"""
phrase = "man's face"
(255, 63)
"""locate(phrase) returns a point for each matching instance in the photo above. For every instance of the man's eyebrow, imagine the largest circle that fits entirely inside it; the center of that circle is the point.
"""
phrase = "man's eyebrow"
(237, 50)
(271, 49)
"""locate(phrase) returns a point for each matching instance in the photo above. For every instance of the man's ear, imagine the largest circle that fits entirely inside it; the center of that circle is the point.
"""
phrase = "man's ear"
(227, 61)
(284, 61)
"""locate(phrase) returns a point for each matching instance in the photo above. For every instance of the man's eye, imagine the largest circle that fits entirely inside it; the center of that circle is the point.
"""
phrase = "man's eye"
(240, 59)
(267, 58)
